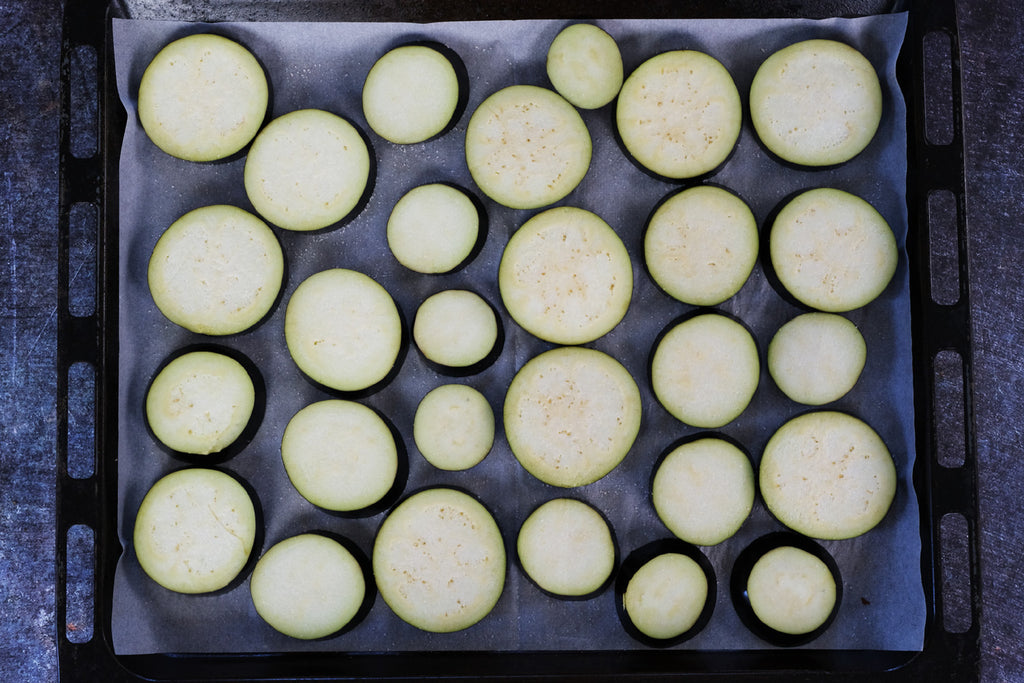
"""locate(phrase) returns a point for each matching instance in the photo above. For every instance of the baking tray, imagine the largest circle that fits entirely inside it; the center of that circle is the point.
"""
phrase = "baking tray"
(87, 485)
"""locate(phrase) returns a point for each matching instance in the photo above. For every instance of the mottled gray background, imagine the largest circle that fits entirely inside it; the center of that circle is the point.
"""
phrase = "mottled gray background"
(993, 57)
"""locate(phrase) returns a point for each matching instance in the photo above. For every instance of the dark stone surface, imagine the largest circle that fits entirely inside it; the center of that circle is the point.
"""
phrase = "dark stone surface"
(30, 37)
(991, 34)
(992, 38)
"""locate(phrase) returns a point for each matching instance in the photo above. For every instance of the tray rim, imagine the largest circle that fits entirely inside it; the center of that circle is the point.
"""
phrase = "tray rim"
(91, 501)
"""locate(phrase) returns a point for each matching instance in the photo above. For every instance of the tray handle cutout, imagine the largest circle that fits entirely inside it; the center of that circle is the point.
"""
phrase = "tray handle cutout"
(948, 402)
(946, 254)
(79, 622)
(955, 543)
(938, 87)
(84, 94)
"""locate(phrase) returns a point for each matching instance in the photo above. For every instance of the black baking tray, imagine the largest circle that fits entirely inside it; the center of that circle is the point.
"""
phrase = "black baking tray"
(87, 495)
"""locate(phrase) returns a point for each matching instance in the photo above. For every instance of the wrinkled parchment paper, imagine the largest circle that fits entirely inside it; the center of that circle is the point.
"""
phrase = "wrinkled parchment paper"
(323, 65)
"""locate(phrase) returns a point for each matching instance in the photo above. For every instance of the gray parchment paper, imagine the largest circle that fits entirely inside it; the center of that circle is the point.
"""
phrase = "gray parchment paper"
(323, 66)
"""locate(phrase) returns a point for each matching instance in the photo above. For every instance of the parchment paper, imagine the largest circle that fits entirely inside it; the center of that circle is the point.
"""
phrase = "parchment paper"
(323, 65)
